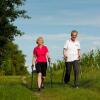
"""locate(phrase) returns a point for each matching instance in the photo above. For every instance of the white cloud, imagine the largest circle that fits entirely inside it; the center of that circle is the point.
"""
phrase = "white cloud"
(84, 37)
(67, 17)
(24, 37)
(55, 43)
(96, 43)
(57, 37)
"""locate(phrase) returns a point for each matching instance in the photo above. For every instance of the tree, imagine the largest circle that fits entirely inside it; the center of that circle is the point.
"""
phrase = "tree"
(9, 11)
(14, 62)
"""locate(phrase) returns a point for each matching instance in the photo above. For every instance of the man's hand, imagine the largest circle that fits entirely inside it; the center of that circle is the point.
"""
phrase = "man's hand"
(79, 54)
(79, 57)
(65, 57)
(64, 53)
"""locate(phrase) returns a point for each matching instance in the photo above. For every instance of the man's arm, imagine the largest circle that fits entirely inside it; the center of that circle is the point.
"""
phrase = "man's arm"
(79, 54)
(65, 50)
(65, 53)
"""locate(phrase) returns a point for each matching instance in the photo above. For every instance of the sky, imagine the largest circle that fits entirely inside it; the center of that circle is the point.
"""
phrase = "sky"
(54, 20)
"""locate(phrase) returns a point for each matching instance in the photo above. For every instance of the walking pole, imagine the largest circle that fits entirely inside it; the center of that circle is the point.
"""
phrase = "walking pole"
(50, 73)
(80, 69)
(32, 77)
(63, 73)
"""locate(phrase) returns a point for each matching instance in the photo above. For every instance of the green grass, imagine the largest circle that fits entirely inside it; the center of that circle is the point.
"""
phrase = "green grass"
(11, 88)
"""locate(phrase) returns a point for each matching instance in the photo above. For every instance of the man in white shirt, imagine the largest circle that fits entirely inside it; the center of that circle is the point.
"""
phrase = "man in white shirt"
(71, 54)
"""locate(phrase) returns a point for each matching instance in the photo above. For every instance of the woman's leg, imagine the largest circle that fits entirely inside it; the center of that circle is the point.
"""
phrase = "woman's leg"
(44, 68)
(42, 83)
(39, 80)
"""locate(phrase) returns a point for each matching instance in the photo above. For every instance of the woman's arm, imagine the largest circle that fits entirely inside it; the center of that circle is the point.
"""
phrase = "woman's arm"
(48, 57)
(33, 59)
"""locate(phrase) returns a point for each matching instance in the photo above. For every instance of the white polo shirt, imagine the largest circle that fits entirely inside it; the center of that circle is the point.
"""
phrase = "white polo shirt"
(72, 50)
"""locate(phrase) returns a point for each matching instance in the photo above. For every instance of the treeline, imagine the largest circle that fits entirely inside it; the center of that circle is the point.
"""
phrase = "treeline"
(12, 60)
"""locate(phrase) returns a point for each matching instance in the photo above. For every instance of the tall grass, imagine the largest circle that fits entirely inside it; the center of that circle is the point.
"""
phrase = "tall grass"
(90, 60)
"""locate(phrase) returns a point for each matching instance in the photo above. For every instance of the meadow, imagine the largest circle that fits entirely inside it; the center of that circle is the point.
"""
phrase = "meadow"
(19, 87)
(12, 88)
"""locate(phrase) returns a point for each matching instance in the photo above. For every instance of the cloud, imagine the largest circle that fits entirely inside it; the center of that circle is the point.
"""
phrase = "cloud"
(55, 43)
(24, 37)
(58, 37)
(84, 37)
(33, 36)
(66, 17)
(96, 43)
(55, 13)
(89, 42)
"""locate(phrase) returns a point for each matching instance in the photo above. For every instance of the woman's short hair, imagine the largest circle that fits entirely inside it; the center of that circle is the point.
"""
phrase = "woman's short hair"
(39, 39)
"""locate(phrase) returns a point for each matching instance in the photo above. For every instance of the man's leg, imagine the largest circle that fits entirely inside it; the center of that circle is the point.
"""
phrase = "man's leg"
(76, 72)
(67, 74)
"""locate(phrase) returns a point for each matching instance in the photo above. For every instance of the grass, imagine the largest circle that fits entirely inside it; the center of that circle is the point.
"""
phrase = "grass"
(11, 87)
(89, 88)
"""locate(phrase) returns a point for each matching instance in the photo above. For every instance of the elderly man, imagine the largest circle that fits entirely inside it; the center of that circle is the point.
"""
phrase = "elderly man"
(71, 54)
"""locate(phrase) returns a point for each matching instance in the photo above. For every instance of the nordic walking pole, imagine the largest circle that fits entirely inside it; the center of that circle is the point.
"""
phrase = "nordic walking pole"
(63, 74)
(50, 73)
(32, 77)
(80, 69)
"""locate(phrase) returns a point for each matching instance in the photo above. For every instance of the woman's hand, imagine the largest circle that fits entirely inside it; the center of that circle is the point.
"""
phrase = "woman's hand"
(49, 59)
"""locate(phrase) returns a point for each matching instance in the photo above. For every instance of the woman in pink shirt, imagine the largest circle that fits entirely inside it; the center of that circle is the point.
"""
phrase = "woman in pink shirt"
(40, 56)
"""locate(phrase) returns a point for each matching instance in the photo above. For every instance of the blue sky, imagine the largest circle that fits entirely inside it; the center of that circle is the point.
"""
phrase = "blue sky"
(54, 20)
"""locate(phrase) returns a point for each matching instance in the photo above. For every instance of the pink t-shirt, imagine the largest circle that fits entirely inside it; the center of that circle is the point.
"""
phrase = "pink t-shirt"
(40, 53)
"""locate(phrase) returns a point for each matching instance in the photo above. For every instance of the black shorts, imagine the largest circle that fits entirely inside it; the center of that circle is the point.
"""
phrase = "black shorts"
(41, 67)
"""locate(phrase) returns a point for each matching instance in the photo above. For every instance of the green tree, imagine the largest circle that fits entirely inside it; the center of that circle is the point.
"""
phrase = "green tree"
(9, 11)
(14, 62)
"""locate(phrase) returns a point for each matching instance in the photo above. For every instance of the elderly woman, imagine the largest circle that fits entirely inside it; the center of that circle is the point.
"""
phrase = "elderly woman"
(40, 57)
